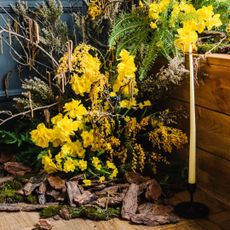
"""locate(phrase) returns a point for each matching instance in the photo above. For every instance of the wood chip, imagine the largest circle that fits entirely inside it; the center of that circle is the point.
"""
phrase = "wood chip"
(129, 203)
(135, 178)
(41, 193)
(65, 214)
(115, 200)
(29, 188)
(16, 169)
(72, 191)
(155, 209)
(113, 189)
(154, 220)
(153, 191)
(56, 182)
(85, 198)
(43, 225)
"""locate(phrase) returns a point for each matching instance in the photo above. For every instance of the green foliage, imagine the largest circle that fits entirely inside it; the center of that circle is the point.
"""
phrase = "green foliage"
(132, 32)
(13, 138)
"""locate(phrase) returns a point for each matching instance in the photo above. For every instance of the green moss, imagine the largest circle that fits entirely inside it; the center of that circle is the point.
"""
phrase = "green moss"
(88, 212)
(97, 213)
(32, 199)
(8, 193)
(50, 211)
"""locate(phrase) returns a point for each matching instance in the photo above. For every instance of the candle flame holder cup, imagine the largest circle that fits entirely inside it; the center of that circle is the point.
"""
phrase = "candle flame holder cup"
(191, 209)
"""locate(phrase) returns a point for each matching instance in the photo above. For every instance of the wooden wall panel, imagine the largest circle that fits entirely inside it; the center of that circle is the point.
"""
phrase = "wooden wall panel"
(213, 126)
(213, 91)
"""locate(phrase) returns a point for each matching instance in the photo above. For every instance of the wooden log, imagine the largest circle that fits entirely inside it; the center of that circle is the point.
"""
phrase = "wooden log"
(23, 207)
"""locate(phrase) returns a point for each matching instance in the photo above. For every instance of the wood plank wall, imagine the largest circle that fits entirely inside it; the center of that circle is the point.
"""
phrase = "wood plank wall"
(213, 125)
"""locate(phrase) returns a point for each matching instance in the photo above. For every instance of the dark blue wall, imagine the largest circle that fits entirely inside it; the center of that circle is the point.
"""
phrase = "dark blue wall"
(6, 61)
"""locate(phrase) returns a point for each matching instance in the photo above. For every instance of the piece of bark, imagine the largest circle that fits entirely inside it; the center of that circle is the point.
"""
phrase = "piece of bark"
(129, 203)
(135, 178)
(5, 179)
(64, 213)
(115, 200)
(85, 198)
(16, 169)
(113, 189)
(72, 191)
(41, 193)
(29, 188)
(154, 220)
(56, 182)
(155, 209)
(42, 188)
(23, 207)
(153, 191)
(43, 225)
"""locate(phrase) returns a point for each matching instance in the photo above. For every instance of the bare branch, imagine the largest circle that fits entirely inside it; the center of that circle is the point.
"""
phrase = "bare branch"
(12, 116)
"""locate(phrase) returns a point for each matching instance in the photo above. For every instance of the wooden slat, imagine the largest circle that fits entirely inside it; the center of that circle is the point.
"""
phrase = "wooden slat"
(213, 175)
(213, 132)
(213, 91)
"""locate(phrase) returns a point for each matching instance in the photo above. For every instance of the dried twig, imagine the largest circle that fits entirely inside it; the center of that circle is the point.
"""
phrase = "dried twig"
(12, 116)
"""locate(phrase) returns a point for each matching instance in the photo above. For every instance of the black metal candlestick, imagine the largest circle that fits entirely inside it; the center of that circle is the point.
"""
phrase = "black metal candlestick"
(191, 209)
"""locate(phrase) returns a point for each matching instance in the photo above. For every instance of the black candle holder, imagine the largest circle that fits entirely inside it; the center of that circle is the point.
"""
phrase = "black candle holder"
(191, 209)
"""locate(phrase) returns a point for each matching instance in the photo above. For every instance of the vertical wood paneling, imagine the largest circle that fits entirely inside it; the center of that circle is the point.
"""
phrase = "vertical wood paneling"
(213, 124)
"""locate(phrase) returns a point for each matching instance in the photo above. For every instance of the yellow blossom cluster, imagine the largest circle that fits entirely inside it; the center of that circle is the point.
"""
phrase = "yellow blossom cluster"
(95, 9)
(175, 13)
(204, 18)
(166, 138)
(155, 9)
(95, 132)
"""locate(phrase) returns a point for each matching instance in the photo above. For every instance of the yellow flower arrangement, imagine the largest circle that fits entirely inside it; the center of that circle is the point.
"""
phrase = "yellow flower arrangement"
(95, 133)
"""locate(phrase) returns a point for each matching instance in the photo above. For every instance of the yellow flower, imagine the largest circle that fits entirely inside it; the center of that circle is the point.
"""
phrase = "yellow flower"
(75, 109)
(141, 5)
(128, 103)
(153, 25)
(110, 165)
(41, 136)
(57, 118)
(66, 127)
(112, 94)
(96, 163)
(213, 22)
(205, 12)
(69, 165)
(88, 138)
(94, 9)
(49, 165)
(101, 179)
(186, 36)
(87, 182)
(144, 104)
(126, 74)
(82, 165)
(114, 173)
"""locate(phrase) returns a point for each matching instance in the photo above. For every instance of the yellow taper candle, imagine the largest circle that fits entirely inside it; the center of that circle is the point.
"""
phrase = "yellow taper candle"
(192, 142)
